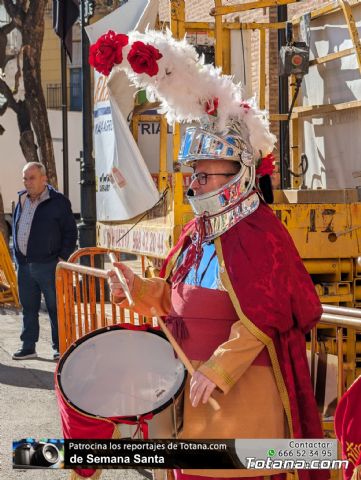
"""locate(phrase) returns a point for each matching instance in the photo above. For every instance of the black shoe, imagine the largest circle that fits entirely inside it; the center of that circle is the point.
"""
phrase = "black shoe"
(56, 356)
(22, 354)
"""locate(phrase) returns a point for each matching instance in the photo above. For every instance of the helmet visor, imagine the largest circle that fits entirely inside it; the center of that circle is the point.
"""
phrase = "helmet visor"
(198, 144)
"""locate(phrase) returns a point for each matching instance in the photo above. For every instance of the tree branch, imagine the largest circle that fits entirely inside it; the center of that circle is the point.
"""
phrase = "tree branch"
(8, 94)
(6, 29)
(14, 11)
(17, 74)
(3, 108)
(10, 8)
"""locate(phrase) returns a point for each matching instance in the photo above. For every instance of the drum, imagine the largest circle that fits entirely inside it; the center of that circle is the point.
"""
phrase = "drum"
(127, 374)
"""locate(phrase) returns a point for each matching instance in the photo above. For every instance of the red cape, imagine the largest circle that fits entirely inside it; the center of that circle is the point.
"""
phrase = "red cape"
(348, 427)
(276, 294)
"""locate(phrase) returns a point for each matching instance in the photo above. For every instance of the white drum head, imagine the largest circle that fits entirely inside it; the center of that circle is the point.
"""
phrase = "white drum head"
(121, 372)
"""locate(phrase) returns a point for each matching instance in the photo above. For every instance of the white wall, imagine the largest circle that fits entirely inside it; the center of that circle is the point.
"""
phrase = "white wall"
(332, 142)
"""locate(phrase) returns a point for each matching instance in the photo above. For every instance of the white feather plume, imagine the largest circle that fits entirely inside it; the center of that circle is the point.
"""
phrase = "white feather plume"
(184, 83)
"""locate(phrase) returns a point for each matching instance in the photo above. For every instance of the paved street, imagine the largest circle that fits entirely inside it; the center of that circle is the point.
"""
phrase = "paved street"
(28, 405)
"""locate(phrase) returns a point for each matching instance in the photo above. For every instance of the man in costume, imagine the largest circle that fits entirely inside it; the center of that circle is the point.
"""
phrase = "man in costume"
(233, 290)
(348, 429)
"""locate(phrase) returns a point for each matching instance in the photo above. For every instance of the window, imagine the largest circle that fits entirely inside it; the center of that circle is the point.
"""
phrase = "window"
(75, 89)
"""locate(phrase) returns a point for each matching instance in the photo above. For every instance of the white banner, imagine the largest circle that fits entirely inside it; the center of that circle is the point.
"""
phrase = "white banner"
(147, 239)
(129, 175)
(124, 184)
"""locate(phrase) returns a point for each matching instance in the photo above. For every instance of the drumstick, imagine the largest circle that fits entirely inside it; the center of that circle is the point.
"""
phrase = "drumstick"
(182, 356)
(122, 280)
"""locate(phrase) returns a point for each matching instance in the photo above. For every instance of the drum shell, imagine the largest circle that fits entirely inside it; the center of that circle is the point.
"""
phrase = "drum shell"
(164, 421)
(167, 423)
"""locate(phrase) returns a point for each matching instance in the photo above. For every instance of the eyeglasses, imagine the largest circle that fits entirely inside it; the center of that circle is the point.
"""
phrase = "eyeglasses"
(202, 177)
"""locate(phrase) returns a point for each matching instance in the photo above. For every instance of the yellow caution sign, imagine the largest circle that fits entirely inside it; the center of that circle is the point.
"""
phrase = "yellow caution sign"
(8, 284)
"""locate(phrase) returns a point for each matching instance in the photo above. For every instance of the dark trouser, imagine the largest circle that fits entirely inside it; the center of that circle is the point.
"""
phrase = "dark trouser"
(34, 279)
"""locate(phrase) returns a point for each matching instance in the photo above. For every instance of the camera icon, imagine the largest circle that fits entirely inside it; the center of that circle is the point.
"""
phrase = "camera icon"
(36, 454)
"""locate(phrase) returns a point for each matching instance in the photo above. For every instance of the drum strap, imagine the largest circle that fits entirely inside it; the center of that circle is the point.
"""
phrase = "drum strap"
(141, 422)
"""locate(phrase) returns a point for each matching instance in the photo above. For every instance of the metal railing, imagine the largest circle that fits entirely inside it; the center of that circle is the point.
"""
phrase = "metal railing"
(83, 299)
(83, 295)
(339, 318)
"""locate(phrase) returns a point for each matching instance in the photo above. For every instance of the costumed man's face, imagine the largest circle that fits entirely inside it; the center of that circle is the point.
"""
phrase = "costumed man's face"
(34, 181)
(218, 173)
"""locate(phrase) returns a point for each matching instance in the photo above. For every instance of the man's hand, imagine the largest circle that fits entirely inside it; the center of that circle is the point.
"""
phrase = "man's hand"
(201, 388)
(114, 284)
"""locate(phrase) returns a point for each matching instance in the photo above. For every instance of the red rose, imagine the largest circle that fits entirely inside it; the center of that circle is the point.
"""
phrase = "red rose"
(246, 106)
(107, 51)
(266, 165)
(212, 106)
(143, 58)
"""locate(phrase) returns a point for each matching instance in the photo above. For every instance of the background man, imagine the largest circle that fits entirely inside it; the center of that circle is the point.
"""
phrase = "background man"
(44, 231)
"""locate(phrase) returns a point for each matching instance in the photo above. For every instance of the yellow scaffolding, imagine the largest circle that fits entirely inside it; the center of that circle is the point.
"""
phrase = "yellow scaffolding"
(8, 284)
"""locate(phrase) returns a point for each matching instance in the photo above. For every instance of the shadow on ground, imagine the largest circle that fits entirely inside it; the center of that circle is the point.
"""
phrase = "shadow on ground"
(26, 377)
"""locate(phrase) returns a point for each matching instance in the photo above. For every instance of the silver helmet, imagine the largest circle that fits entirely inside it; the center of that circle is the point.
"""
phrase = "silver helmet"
(202, 144)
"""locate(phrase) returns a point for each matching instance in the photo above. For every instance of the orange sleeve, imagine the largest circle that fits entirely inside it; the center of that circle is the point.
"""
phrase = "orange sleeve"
(232, 358)
(149, 293)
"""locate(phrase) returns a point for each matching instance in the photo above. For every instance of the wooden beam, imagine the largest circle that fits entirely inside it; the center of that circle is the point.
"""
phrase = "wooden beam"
(278, 117)
(259, 26)
(326, 10)
(149, 118)
(351, 24)
(262, 70)
(312, 110)
(210, 26)
(199, 26)
(190, 26)
(225, 10)
(163, 175)
(177, 18)
(218, 36)
(226, 49)
(319, 12)
(332, 56)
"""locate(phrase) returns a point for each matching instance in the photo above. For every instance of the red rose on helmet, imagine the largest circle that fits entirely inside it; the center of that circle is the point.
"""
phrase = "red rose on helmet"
(212, 106)
(246, 106)
(107, 51)
(266, 165)
(143, 58)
